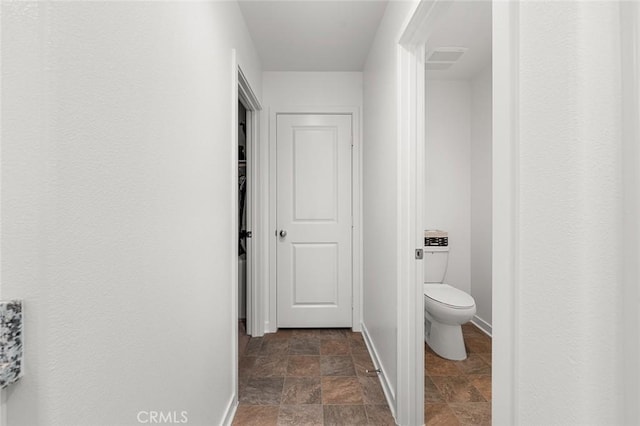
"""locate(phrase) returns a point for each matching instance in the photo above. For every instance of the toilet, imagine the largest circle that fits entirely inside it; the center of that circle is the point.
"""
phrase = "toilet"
(446, 308)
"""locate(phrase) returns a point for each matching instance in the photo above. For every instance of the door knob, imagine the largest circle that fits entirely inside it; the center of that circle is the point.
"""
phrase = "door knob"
(283, 233)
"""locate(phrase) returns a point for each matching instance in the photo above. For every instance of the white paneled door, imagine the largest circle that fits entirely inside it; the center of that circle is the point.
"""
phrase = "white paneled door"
(314, 285)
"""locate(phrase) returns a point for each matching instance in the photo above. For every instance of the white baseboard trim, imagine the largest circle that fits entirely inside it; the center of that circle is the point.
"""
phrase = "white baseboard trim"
(388, 390)
(230, 412)
(268, 329)
(482, 325)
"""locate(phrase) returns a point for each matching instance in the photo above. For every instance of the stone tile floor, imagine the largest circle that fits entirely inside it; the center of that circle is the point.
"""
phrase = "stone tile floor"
(459, 392)
(309, 377)
(317, 377)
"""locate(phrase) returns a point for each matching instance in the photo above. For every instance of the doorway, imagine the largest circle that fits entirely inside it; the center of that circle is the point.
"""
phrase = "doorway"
(314, 217)
(245, 228)
(458, 201)
(351, 183)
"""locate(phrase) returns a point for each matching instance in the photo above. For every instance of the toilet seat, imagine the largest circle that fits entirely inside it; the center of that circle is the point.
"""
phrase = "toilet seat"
(449, 296)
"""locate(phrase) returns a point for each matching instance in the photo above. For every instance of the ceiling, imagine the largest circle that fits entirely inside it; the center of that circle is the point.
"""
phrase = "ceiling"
(320, 35)
(465, 24)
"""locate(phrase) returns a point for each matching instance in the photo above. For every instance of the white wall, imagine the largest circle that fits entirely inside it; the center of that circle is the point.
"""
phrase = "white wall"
(116, 217)
(297, 89)
(481, 196)
(448, 172)
(285, 89)
(380, 196)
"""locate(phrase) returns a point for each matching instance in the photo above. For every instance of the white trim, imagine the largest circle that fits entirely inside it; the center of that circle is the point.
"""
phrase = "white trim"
(240, 88)
(410, 185)
(484, 326)
(246, 93)
(386, 386)
(234, 225)
(230, 411)
(254, 296)
(630, 38)
(410, 349)
(505, 288)
(356, 191)
(423, 22)
(3, 392)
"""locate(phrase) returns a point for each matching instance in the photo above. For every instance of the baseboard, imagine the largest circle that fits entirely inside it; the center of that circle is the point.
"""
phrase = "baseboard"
(230, 412)
(268, 329)
(482, 325)
(386, 387)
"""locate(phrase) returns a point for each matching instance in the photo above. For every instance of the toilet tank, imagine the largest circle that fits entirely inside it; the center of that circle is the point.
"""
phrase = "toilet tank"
(435, 263)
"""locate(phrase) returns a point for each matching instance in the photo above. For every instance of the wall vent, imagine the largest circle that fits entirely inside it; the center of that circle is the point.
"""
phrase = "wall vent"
(443, 58)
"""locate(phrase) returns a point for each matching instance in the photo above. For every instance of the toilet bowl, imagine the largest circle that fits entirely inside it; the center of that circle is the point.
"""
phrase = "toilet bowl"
(446, 308)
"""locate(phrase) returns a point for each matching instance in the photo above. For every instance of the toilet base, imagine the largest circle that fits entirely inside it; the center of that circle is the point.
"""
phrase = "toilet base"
(445, 340)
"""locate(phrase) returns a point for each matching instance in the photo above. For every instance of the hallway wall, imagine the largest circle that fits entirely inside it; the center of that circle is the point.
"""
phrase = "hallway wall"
(116, 225)
(380, 186)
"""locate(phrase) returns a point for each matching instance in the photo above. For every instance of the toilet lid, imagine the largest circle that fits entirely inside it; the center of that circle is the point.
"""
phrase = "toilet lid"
(448, 295)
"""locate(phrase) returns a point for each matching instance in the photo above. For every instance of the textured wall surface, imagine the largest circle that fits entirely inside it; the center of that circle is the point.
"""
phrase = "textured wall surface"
(116, 184)
(569, 226)
(481, 194)
(447, 201)
(380, 197)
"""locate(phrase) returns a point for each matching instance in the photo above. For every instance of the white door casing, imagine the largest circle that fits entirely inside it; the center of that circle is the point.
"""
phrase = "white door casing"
(314, 220)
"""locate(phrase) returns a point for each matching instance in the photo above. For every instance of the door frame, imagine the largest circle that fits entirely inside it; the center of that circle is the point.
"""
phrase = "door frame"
(251, 103)
(411, 168)
(241, 90)
(356, 190)
(630, 37)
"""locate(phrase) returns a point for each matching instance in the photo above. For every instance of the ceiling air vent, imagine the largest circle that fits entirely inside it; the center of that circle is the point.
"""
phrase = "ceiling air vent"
(443, 58)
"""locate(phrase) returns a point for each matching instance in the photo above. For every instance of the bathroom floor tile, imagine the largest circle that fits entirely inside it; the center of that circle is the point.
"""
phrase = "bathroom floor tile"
(471, 330)
(304, 345)
(437, 366)
(457, 389)
(276, 347)
(431, 392)
(372, 392)
(472, 413)
(379, 415)
(439, 415)
(253, 347)
(483, 384)
(460, 395)
(256, 415)
(270, 366)
(262, 391)
(474, 364)
(335, 347)
(333, 333)
(337, 366)
(341, 390)
(358, 346)
(341, 415)
(486, 357)
(478, 344)
(302, 390)
(362, 362)
(303, 365)
(300, 415)
(305, 332)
